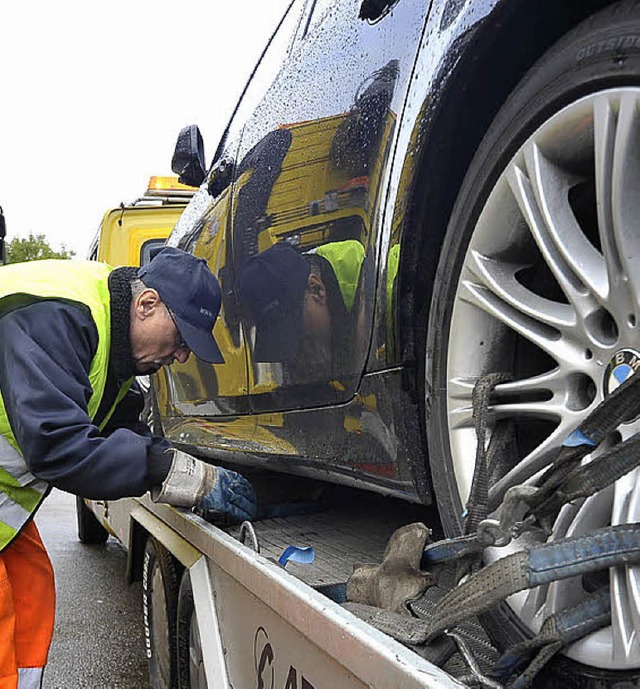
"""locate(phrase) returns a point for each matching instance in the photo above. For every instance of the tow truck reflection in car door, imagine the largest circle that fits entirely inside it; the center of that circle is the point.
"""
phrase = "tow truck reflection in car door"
(315, 186)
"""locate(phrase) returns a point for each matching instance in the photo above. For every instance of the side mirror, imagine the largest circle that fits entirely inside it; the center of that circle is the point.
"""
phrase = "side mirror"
(3, 234)
(188, 160)
(375, 9)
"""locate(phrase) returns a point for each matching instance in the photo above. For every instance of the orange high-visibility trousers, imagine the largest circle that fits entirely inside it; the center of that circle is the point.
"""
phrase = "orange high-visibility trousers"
(27, 610)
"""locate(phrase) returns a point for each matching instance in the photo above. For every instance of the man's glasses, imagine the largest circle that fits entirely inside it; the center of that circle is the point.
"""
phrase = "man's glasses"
(180, 343)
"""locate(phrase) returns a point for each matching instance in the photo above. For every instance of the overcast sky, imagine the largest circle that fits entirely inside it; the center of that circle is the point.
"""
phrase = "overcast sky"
(93, 96)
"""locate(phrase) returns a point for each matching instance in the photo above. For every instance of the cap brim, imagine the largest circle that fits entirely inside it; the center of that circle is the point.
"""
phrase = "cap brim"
(278, 340)
(199, 341)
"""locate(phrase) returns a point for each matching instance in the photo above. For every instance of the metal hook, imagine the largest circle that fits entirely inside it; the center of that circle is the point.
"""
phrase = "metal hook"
(246, 528)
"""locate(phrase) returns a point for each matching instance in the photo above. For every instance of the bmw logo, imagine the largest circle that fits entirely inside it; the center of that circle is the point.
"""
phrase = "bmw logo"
(623, 365)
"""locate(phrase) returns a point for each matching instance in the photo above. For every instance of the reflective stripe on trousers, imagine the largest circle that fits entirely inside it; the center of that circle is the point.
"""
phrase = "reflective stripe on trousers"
(27, 609)
(29, 677)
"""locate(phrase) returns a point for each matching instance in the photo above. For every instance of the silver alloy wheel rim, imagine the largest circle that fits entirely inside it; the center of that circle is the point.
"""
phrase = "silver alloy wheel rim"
(550, 292)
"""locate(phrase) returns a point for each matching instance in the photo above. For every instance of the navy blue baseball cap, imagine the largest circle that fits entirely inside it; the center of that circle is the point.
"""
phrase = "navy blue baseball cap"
(272, 286)
(191, 292)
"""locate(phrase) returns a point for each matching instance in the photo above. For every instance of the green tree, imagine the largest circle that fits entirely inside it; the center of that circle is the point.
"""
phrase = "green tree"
(34, 248)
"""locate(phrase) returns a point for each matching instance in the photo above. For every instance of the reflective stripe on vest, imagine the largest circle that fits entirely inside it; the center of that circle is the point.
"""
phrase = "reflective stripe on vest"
(21, 491)
(80, 282)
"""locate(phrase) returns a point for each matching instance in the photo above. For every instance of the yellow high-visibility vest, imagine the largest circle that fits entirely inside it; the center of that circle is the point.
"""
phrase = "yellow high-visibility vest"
(80, 282)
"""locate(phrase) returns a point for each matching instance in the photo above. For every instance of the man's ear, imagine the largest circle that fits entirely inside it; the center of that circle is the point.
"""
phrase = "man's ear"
(316, 289)
(147, 302)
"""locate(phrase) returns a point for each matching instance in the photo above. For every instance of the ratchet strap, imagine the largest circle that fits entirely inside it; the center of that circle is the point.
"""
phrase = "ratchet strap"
(568, 478)
(558, 630)
(534, 566)
(486, 461)
(468, 548)
(582, 481)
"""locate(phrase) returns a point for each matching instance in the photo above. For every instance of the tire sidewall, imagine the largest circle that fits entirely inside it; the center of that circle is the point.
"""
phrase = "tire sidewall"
(157, 558)
(90, 530)
(186, 611)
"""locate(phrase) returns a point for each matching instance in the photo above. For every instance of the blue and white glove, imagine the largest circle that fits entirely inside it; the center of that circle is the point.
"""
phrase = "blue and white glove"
(231, 498)
(216, 493)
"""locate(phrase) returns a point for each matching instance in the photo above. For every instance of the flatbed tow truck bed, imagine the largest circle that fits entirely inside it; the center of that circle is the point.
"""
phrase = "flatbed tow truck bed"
(258, 625)
(343, 535)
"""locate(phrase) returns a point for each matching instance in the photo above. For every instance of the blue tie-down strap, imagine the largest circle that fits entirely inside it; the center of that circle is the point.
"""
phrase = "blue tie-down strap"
(450, 549)
(303, 556)
(526, 659)
(616, 545)
(535, 566)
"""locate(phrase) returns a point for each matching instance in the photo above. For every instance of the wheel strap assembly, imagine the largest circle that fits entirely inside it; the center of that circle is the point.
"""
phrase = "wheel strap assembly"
(558, 630)
(568, 478)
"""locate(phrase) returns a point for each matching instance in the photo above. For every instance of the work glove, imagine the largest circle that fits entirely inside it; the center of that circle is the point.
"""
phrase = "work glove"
(217, 494)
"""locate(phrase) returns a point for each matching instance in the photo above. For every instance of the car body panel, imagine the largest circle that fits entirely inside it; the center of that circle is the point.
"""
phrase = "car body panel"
(350, 131)
(318, 146)
(363, 434)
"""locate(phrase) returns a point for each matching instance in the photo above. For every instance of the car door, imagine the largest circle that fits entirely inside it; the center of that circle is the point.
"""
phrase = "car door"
(195, 389)
(308, 198)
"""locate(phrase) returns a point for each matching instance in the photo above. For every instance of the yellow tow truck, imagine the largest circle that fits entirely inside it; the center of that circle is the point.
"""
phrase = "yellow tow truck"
(129, 234)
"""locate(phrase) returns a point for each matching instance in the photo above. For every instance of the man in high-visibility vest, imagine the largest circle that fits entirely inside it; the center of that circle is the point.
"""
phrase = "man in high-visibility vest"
(73, 335)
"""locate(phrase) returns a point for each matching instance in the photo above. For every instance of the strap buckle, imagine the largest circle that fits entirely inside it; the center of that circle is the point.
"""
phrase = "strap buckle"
(500, 532)
(491, 533)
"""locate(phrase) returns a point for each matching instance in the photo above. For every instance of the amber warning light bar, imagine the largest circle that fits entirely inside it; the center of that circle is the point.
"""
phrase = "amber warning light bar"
(168, 186)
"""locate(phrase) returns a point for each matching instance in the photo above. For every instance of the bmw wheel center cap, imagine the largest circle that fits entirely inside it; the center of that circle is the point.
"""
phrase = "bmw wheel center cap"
(623, 364)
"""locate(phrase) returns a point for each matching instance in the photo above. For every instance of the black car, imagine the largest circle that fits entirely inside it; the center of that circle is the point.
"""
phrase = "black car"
(411, 195)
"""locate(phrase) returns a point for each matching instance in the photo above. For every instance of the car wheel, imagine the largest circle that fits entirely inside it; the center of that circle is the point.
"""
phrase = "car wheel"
(191, 674)
(90, 530)
(159, 603)
(539, 277)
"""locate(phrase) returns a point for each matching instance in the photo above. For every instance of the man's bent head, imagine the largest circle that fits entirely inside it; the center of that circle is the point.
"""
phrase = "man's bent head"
(173, 310)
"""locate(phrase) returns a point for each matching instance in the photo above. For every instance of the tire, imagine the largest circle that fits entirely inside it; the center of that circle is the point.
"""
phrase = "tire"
(159, 604)
(90, 530)
(191, 673)
(551, 307)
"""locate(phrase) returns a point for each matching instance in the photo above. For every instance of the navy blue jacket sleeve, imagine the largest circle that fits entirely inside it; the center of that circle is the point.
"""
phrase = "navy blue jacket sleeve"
(46, 350)
(127, 413)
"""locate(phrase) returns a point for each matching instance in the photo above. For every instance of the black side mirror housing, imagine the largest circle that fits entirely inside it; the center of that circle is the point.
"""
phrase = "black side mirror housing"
(375, 9)
(188, 160)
